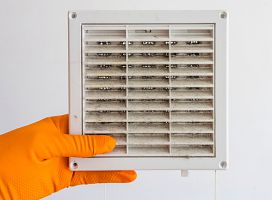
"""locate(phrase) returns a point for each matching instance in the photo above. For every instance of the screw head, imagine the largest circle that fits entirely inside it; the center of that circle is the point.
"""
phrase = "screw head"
(223, 15)
(75, 165)
(73, 15)
(223, 164)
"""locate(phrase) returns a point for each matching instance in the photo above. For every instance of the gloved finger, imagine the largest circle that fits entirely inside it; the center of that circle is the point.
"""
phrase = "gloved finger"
(91, 177)
(64, 145)
(82, 146)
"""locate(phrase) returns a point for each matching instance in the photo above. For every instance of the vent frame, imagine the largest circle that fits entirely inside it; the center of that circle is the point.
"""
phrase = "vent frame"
(78, 18)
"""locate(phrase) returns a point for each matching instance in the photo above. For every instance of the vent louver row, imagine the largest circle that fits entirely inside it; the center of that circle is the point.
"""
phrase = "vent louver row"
(151, 87)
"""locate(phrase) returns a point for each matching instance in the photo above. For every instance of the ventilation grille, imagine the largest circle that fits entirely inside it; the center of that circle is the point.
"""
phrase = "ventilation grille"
(151, 87)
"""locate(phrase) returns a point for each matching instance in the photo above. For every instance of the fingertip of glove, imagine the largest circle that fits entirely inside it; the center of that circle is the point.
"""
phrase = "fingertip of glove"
(132, 176)
(110, 142)
(125, 176)
(104, 143)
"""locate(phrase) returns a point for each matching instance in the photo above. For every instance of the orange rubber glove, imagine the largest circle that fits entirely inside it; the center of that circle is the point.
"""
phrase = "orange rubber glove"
(34, 160)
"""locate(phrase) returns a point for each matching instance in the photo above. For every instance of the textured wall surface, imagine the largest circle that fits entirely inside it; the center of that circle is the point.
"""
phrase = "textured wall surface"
(34, 84)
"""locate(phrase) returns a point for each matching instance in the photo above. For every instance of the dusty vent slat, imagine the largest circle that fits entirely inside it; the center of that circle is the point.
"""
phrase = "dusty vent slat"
(151, 87)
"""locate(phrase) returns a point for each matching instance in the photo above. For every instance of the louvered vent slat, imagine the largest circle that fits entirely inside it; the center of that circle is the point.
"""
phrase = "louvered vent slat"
(151, 87)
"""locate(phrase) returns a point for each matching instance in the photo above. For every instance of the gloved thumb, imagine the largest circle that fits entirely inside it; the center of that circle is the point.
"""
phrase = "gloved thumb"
(60, 144)
(77, 146)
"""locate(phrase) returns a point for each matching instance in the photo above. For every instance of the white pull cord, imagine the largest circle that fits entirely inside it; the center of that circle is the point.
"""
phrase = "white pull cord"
(215, 185)
(105, 191)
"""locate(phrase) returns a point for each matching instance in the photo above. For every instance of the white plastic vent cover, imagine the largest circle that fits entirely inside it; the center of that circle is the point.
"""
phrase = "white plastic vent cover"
(154, 80)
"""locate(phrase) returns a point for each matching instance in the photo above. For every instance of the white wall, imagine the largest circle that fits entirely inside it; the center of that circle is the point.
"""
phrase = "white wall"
(33, 85)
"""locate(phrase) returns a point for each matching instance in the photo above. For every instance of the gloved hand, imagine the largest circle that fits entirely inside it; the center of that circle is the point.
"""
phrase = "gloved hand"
(34, 163)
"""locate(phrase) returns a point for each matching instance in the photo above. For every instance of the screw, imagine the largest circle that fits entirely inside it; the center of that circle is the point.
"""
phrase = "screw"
(223, 15)
(73, 15)
(75, 116)
(223, 164)
(75, 165)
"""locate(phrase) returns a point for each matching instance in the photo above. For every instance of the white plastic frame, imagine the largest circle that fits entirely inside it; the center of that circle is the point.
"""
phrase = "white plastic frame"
(219, 18)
